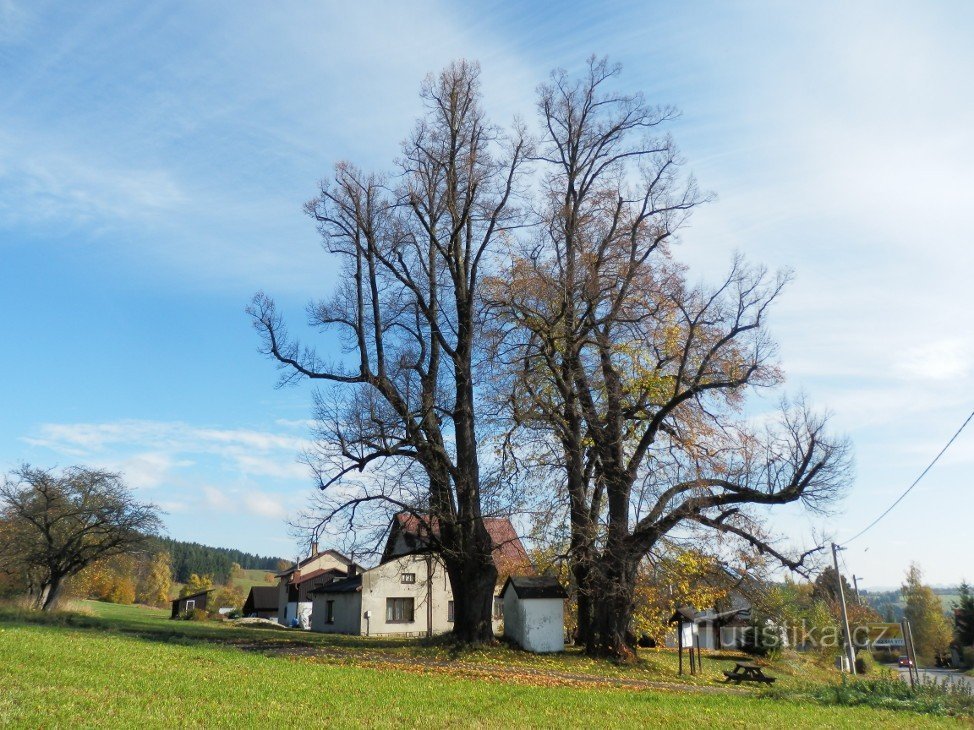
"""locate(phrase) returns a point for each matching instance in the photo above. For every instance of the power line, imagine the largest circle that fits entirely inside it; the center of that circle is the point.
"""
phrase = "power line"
(915, 482)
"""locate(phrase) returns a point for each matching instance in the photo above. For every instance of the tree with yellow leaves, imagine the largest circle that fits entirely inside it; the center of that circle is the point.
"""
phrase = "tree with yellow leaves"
(627, 378)
(196, 584)
(156, 584)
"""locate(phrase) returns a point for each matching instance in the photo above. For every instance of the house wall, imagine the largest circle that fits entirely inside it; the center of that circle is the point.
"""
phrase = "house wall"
(348, 613)
(297, 610)
(323, 561)
(385, 581)
(536, 624)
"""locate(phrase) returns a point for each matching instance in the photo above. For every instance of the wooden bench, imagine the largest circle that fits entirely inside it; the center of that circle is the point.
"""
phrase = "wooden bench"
(747, 672)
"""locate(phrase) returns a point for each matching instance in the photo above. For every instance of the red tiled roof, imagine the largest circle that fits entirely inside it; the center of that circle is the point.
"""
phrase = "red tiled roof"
(509, 554)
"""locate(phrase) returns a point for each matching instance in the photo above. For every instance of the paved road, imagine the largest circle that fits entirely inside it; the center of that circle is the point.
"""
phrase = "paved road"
(940, 675)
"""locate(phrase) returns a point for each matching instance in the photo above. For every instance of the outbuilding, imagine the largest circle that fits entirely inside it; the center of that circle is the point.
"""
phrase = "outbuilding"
(534, 612)
(197, 602)
(261, 602)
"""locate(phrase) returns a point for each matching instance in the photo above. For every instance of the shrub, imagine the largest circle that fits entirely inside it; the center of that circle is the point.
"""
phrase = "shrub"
(865, 664)
(890, 693)
(762, 639)
(195, 614)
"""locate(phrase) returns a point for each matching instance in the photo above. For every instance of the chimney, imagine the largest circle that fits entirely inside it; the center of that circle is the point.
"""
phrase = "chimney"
(314, 548)
(352, 570)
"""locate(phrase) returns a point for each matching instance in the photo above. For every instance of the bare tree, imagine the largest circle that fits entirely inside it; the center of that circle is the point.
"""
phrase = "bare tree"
(638, 376)
(54, 525)
(404, 401)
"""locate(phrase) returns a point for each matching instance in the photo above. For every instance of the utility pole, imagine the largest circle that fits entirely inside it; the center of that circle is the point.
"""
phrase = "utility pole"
(855, 585)
(850, 649)
(910, 654)
(913, 652)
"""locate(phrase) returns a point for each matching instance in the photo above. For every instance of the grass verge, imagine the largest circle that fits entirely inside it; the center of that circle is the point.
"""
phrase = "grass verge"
(57, 675)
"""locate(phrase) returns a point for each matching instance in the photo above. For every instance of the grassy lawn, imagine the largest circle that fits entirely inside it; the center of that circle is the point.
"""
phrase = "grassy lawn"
(251, 578)
(126, 665)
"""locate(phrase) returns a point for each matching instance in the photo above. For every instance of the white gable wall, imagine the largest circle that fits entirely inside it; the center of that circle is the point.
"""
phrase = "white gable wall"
(536, 624)
(385, 581)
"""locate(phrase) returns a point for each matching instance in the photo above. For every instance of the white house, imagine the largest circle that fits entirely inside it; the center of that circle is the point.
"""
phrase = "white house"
(409, 592)
(406, 596)
(534, 613)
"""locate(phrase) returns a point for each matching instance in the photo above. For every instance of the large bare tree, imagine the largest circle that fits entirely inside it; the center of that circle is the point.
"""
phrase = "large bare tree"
(55, 525)
(398, 425)
(636, 375)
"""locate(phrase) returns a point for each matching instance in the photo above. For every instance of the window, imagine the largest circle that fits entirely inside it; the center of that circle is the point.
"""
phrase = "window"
(399, 610)
(329, 612)
(190, 605)
(408, 578)
(498, 607)
(449, 611)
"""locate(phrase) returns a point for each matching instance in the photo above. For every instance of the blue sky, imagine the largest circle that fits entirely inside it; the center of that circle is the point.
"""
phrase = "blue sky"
(154, 159)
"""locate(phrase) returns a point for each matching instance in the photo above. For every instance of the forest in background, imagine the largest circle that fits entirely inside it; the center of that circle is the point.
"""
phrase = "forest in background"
(192, 557)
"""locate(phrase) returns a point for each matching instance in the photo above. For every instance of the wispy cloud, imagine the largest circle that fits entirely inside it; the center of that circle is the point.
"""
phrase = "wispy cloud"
(220, 476)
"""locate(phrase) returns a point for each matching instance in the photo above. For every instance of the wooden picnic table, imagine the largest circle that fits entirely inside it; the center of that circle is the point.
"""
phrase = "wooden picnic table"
(747, 672)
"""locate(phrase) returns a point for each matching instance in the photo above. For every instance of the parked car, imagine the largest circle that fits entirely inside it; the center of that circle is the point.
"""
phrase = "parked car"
(904, 661)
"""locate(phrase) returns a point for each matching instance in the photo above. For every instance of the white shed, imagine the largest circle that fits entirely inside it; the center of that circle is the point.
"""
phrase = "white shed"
(534, 612)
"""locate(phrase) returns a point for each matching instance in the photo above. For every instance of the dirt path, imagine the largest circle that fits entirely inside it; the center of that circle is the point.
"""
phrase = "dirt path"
(524, 675)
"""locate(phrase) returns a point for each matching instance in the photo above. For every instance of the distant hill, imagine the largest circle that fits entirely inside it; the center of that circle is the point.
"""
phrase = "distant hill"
(192, 557)
(890, 603)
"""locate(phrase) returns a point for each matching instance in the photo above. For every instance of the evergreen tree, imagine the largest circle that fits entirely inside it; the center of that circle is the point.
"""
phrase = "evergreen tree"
(964, 626)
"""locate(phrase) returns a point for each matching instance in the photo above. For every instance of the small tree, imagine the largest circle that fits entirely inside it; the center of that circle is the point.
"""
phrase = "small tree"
(57, 524)
(157, 582)
(931, 632)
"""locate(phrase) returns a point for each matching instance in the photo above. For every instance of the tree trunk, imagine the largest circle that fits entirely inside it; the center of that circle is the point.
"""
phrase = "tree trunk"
(609, 634)
(49, 593)
(613, 582)
(473, 598)
(583, 602)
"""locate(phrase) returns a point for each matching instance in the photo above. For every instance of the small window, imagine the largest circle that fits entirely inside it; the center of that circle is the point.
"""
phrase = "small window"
(329, 612)
(399, 610)
(449, 611)
(190, 605)
(408, 578)
(498, 607)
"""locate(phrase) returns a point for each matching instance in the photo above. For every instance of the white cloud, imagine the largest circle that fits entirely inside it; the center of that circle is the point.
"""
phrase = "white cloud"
(217, 499)
(231, 468)
(264, 505)
(172, 435)
(940, 360)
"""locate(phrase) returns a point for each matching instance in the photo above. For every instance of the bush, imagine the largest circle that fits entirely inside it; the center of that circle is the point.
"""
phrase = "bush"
(195, 614)
(762, 640)
(889, 693)
(865, 664)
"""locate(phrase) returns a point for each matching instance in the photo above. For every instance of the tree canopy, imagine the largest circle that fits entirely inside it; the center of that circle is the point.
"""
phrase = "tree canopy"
(57, 523)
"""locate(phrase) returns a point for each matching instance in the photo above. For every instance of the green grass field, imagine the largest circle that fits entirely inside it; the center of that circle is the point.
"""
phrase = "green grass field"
(127, 666)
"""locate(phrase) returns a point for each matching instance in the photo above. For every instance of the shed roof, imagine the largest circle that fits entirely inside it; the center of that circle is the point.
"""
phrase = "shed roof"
(192, 595)
(346, 585)
(262, 598)
(682, 615)
(535, 586)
